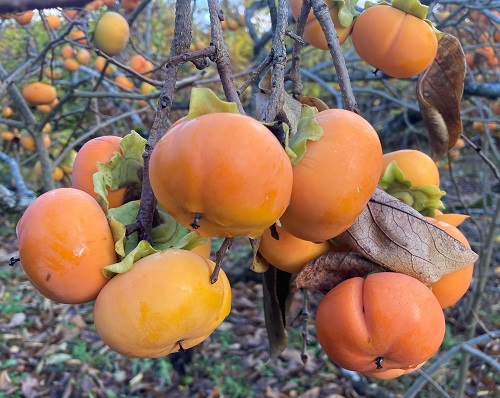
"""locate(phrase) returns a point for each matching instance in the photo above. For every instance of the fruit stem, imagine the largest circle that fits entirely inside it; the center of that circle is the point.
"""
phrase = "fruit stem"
(378, 362)
(219, 256)
(197, 217)
(14, 260)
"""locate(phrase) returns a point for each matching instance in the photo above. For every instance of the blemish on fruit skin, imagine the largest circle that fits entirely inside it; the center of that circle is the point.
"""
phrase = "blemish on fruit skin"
(47, 278)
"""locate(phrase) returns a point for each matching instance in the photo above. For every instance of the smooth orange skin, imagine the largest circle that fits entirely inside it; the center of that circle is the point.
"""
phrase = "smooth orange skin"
(38, 93)
(111, 33)
(392, 373)
(83, 57)
(138, 63)
(64, 241)
(203, 250)
(450, 218)
(71, 64)
(124, 82)
(416, 166)
(313, 33)
(451, 287)
(388, 315)
(227, 167)
(289, 253)
(165, 298)
(397, 43)
(100, 149)
(67, 51)
(335, 179)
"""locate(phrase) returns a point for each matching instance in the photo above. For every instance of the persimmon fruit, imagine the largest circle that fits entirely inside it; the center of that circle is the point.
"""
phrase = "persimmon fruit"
(53, 21)
(289, 253)
(64, 241)
(452, 287)
(164, 304)
(397, 43)
(99, 149)
(28, 143)
(111, 33)
(220, 181)
(417, 166)
(335, 179)
(379, 323)
(24, 18)
(313, 33)
(38, 93)
(83, 57)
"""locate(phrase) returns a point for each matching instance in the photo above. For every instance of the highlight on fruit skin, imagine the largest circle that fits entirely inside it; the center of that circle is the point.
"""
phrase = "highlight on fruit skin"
(111, 33)
(64, 241)
(164, 304)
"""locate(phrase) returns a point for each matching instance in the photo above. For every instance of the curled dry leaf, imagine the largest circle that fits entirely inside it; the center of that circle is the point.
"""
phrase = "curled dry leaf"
(394, 235)
(328, 270)
(439, 92)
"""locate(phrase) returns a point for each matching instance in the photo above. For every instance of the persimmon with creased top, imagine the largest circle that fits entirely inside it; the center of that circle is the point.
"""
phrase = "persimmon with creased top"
(416, 166)
(379, 323)
(335, 179)
(223, 174)
(397, 43)
(452, 287)
(289, 253)
(313, 33)
(64, 241)
(164, 304)
(99, 149)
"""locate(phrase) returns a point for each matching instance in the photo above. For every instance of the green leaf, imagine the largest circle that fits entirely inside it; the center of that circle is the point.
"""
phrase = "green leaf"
(143, 249)
(204, 101)
(122, 170)
(190, 241)
(119, 217)
(424, 199)
(307, 129)
(347, 11)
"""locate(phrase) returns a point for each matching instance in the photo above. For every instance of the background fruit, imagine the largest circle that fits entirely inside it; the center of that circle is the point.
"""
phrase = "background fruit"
(416, 166)
(289, 253)
(38, 93)
(193, 174)
(111, 33)
(386, 321)
(64, 241)
(335, 179)
(166, 298)
(100, 149)
(399, 44)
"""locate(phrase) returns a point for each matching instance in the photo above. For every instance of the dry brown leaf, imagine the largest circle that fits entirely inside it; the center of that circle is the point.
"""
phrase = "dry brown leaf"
(313, 101)
(259, 263)
(439, 92)
(394, 235)
(328, 270)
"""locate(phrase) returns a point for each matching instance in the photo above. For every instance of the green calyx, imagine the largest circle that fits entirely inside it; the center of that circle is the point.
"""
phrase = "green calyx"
(307, 129)
(204, 101)
(346, 11)
(424, 199)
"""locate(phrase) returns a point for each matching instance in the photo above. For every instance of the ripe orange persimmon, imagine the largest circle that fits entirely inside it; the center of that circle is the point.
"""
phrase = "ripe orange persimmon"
(57, 174)
(451, 287)
(138, 63)
(100, 149)
(130, 5)
(24, 18)
(7, 112)
(149, 69)
(416, 166)
(164, 304)
(71, 64)
(28, 143)
(78, 36)
(399, 44)
(67, 51)
(71, 14)
(99, 64)
(64, 241)
(38, 93)
(335, 179)
(83, 57)
(124, 82)
(385, 321)
(53, 21)
(289, 253)
(111, 33)
(207, 178)
(313, 33)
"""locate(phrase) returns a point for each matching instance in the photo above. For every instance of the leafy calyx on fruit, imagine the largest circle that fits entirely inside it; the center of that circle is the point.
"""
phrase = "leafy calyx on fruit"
(204, 101)
(347, 12)
(424, 199)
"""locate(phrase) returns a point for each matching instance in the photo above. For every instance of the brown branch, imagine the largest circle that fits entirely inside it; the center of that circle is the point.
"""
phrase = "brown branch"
(322, 14)
(295, 76)
(219, 256)
(255, 73)
(221, 58)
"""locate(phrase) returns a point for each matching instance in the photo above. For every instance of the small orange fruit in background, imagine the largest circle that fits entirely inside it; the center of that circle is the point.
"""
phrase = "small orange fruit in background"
(289, 253)
(124, 82)
(138, 63)
(64, 241)
(164, 304)
(100, 149)
(38, 93)
(99, 65)
(53, 21)
(28, 143)
(416, 166)
(24, 18)
(83, 57)
(71, 64)
(111, 33)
